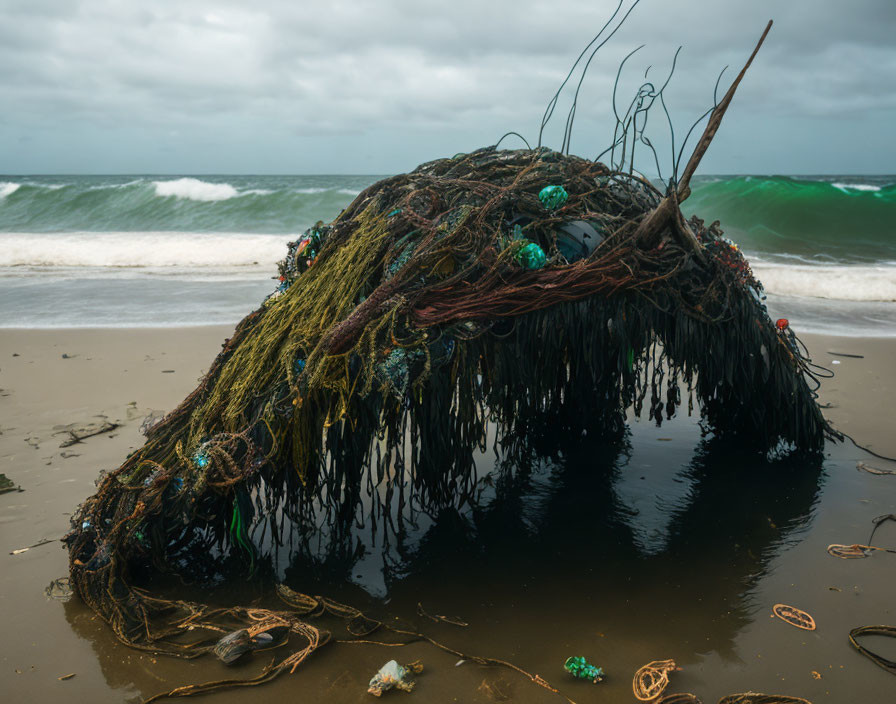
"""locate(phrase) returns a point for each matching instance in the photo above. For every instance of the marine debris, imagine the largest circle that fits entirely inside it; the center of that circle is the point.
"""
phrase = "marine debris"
(7, 484)
(862, 467)
(580, 668)
(859, 550)
(794, 616)
(651, 680)
(91, 430)
(495, 289)
(879, 660)
(392, 675)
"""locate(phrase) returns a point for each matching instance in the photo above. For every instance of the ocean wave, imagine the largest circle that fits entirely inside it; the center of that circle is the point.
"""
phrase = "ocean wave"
(867, 187)
(847, 220)
(315, 190)
(248, 204)
(116, 186)
(194, 189)
(7, 188)
(183, 250)
(844, 283)
(45, 186)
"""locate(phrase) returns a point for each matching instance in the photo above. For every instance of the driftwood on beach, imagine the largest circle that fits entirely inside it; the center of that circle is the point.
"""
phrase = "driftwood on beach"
(496, 289)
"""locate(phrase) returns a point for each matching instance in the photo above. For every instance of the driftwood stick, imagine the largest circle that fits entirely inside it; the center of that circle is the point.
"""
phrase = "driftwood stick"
(668, 210)
(76, 438)
(715, 119)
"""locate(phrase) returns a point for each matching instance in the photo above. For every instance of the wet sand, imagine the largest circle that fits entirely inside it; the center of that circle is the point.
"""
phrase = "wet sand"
(665, 547)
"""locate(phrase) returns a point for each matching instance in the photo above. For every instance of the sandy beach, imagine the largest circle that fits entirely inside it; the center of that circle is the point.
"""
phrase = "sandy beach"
(693, 600)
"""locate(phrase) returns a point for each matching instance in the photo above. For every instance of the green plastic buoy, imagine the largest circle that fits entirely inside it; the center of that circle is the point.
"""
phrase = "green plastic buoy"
(552, 197)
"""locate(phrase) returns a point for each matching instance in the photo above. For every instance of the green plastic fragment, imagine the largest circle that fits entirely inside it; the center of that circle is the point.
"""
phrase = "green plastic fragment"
(552, 197)
(394, 212)
(578, 667)
(238, 533)
(531, 256)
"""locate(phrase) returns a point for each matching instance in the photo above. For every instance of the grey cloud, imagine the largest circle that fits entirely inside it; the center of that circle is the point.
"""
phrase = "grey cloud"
(226, 70)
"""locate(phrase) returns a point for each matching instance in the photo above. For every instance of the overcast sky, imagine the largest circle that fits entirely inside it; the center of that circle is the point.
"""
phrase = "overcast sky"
(291, 86)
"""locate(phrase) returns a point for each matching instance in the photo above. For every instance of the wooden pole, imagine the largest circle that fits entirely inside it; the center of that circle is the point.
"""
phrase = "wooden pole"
(668, 210)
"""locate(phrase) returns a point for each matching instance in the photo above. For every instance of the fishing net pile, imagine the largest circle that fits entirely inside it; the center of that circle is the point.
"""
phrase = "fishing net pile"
(500, 289)
(497, 286)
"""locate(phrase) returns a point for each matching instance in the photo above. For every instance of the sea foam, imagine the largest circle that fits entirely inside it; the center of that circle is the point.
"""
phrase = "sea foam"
(118, 250)
(846, 187)
(194, 189)
(8, 188)
(845, 283)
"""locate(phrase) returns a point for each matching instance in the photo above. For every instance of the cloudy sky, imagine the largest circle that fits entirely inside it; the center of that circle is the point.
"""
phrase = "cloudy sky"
(291, 86)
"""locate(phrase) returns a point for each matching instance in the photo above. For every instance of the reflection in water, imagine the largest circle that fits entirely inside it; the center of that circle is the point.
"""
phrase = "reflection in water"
(554, 528)
(567, 506)
(553, 535)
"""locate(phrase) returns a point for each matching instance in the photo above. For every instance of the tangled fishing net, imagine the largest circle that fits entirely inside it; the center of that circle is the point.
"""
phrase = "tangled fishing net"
(495, 289)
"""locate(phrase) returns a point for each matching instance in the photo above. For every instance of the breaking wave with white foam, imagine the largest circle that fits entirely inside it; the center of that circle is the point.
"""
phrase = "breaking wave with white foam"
(142, 250)
(192, 249)
(844, 283)
(194, 189)
(8, 188)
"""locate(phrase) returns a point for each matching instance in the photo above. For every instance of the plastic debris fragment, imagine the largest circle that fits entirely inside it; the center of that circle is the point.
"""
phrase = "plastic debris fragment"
(59, 589)
(392, 675)
(553, 197)
(578, 667)
(531, 256)
(233, 646)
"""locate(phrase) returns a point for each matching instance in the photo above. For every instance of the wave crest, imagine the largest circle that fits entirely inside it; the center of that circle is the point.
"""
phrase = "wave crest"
(844, 283)
(142, 250)
(194, 189)
(849, 221)
(7, 188)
